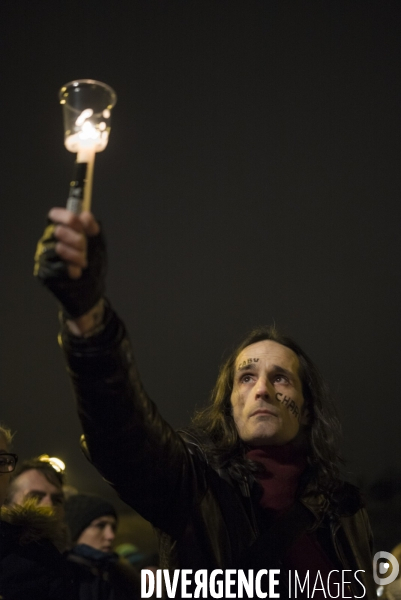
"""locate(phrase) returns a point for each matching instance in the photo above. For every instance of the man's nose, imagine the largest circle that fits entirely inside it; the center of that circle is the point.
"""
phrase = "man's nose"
(264, 388)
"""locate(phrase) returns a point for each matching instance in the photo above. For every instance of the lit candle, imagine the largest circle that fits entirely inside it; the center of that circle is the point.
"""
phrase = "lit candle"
(87, 108)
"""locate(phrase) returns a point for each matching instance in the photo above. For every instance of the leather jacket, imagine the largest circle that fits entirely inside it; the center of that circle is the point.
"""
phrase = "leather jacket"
(204, 518)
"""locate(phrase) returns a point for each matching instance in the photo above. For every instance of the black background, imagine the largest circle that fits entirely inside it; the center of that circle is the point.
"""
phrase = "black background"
(252, 176)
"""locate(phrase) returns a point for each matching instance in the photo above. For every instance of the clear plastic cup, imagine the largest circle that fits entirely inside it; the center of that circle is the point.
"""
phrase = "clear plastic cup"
(87, 106)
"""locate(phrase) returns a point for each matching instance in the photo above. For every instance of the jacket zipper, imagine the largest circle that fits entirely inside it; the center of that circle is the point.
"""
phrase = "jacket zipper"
(341, 557)
(247, 493)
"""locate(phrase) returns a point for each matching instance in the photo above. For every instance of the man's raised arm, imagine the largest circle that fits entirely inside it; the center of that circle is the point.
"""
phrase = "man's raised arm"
(127, 440)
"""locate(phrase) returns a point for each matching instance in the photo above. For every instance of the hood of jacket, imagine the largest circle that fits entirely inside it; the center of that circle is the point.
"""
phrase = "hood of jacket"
(29, 523)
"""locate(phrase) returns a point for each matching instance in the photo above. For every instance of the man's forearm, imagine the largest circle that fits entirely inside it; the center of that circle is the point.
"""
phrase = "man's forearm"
(91, 323)
(127, 440)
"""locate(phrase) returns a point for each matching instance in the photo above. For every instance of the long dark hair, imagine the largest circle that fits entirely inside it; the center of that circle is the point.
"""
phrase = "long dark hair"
(321, 434)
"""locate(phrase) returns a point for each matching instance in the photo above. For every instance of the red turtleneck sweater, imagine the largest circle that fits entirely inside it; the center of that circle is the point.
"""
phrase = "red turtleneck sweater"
(282, 469)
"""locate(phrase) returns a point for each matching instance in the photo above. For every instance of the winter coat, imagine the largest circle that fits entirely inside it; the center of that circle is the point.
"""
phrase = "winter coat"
(102, 575)
(31, 564)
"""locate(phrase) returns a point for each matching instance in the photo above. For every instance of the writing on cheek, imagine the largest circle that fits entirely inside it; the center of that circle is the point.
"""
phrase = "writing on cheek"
(246, 362)
(289, 404)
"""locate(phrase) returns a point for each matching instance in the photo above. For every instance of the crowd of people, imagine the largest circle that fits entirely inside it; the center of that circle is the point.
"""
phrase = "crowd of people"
(56, 543)
(254, 484)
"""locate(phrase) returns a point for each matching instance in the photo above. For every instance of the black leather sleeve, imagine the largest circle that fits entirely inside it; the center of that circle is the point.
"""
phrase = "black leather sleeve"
(127, 440)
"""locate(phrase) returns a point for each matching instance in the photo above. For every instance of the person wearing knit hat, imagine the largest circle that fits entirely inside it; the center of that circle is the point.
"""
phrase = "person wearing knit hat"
(98, 572)
(92, 520)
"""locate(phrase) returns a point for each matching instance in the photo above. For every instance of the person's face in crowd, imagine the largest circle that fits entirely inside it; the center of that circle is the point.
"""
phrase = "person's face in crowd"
(267, 397)
(100, 534)
(33, 484)
(4, 477)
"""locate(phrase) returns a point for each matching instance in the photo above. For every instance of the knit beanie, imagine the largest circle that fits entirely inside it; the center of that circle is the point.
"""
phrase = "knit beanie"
(82, 509)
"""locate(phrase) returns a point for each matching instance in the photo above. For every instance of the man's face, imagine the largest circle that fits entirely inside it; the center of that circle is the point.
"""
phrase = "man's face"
(100, 534)
(33, 484)
(267, 395)
(4, 477)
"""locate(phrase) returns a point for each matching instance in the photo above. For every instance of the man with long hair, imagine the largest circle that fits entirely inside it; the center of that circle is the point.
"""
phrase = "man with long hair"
(253, 484)
(314, 426)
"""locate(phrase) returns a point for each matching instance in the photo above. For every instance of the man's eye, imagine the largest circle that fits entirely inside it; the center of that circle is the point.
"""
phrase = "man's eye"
(246, 378)
(35, 496)
(281, 379)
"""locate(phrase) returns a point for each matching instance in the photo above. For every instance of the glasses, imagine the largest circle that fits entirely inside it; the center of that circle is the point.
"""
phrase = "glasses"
(8, 462)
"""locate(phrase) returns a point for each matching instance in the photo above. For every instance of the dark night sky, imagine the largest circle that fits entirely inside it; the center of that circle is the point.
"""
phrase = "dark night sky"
(252, 176)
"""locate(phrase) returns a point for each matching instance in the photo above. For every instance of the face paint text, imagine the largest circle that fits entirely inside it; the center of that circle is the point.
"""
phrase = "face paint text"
(247, 362)
(289, 404)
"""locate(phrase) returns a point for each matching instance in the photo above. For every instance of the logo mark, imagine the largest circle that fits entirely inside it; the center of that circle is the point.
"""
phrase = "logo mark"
(383, 567)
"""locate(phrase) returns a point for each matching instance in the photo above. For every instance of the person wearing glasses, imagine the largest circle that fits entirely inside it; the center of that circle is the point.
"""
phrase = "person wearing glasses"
(8, 462)
(31, 564)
